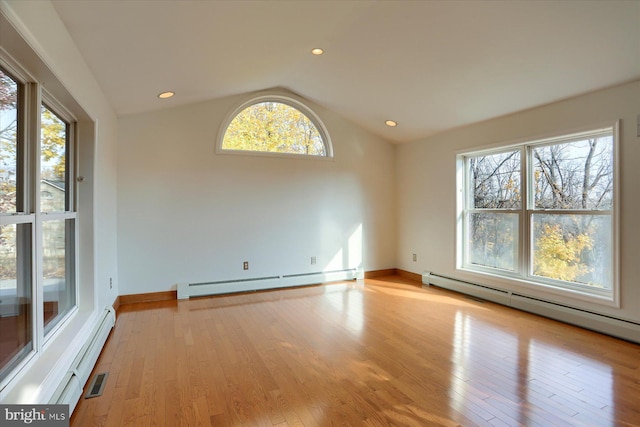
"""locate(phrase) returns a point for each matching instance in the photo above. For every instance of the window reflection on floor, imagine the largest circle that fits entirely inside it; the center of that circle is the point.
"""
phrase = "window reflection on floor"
(347, 301)
(530, 377)
(569, 379)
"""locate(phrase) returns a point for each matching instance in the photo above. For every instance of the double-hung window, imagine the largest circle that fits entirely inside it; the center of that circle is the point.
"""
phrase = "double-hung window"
(543, 213)
(57, 217)
(37, 219)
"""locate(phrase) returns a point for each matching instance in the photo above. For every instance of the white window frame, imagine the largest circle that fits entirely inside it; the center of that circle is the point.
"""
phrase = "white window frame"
(32, 98)
(277, 97)
(70, 211)
(522, 277)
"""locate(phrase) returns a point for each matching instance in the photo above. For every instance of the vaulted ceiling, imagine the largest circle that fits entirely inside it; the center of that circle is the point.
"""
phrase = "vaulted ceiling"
(429, 65)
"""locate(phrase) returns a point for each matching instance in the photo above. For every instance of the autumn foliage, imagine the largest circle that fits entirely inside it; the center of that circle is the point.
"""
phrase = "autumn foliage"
(273, 127)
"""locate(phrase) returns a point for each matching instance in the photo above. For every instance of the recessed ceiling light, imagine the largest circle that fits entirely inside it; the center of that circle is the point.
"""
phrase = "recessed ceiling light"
(165, 95)
(391, 123)
(317, 51)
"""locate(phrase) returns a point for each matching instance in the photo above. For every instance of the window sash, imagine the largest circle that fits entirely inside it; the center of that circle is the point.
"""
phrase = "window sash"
(18, 312)
(49, 171)
(53, 315)
(605, 270)
(59, 293)
(494, 241)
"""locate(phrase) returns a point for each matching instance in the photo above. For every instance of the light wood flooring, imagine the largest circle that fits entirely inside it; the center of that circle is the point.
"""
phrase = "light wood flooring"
(382, 353)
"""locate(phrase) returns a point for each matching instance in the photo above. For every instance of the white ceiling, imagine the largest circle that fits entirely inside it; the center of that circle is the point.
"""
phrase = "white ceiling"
(429, 65)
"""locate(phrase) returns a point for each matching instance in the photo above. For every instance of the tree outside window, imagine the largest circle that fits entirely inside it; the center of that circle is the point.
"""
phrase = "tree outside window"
(274, 127)
(559, 195)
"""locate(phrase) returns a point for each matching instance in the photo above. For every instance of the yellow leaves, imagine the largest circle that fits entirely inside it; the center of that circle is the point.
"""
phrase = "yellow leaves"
(52, 134)
(53, 141)
(275, 128)
(559, 257)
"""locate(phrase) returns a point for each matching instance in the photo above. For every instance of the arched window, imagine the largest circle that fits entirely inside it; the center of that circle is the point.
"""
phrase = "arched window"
(275, 124)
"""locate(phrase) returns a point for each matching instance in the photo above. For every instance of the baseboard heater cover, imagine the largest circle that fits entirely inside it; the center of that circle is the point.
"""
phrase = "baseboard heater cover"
(619, 328)
(70, 389)
(187, 290)
(479, 291)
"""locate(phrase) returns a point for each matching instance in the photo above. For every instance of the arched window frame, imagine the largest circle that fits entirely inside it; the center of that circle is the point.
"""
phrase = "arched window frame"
(282, 99)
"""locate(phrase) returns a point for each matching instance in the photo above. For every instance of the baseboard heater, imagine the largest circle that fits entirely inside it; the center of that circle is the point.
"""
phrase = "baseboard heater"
(609, 325)
(187, 290)
(70, 389)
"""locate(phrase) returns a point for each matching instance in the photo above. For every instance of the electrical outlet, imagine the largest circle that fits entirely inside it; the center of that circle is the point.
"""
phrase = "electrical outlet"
(245, 265)
(415, 257)
(313, 260)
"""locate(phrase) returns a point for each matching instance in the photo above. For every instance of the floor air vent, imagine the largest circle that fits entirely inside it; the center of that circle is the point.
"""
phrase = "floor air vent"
(97, 385)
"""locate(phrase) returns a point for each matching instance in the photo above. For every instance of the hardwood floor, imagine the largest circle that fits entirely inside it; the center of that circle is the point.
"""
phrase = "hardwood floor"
(376, 354)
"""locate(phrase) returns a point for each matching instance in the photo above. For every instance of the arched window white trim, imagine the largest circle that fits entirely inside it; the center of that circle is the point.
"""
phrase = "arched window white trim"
(277, 97)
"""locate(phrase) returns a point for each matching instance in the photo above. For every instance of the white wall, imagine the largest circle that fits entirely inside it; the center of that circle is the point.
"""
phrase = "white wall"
(426, 184)
(43, 30)
(187, 214)
(42, 44)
